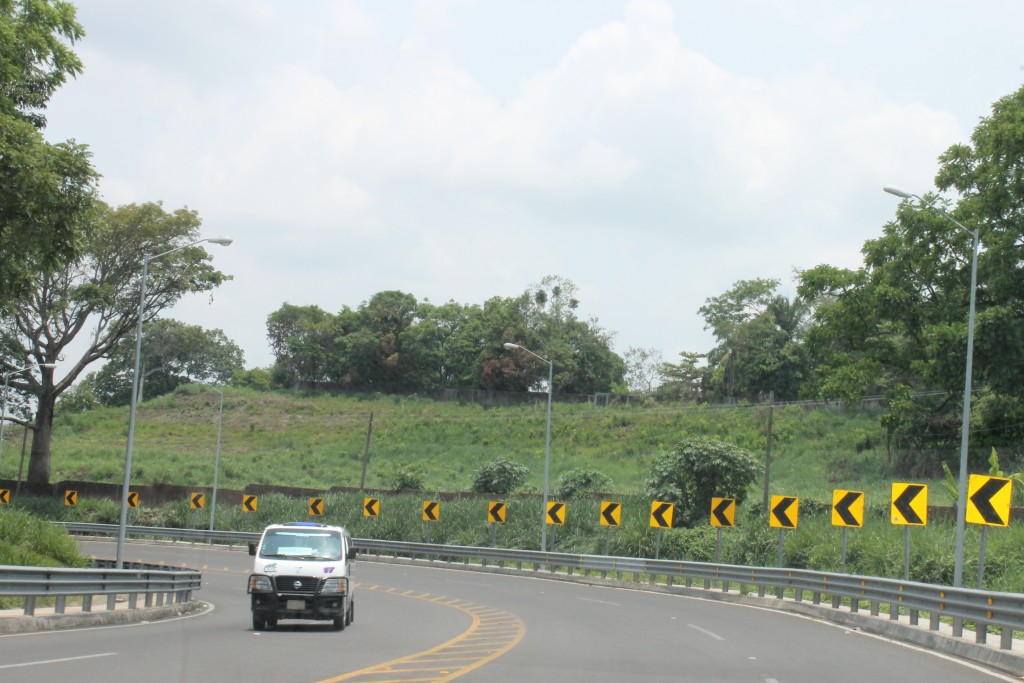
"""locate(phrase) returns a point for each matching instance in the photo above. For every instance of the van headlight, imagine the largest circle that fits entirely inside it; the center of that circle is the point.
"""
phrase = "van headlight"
(259, 583)
(335, 585)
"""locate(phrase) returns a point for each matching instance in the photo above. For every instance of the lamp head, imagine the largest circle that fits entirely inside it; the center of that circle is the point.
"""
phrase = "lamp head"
(223, 241)
(891, 189)
(510, 345)
(49, 366)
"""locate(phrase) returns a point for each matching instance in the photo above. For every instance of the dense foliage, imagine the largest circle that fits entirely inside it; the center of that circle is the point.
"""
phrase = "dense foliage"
(46, 190)
(395, 343)
(698, 469)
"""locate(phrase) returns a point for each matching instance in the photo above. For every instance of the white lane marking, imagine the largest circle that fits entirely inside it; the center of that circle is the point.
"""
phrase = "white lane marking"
(770, 680)
(600, 602)
(706, 632)
(56, 661)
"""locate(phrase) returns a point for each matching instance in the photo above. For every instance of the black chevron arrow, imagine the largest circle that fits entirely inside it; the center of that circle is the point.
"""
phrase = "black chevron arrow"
(842, 508)
(555, 512)
(609, 514)
(903, 502)
(430, 510)
(659, 514)
(720, 510)
(71, 497)
(5, 496)
(249, 503)
(197, 501)
(315, 506)
(779, 512)
(371, 507)
(496, 511)
(982, 500)
(133, 499)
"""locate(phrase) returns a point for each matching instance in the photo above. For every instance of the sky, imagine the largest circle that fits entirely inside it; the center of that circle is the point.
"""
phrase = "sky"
(653, 152)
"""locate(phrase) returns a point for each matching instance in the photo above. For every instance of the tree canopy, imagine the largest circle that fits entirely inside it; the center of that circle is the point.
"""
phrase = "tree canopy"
(46, 190)
(393, 342)
(98, 294)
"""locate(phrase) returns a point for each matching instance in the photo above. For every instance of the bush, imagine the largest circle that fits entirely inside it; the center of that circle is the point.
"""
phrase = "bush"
(501, 476)
(697, 470)
(581, 481)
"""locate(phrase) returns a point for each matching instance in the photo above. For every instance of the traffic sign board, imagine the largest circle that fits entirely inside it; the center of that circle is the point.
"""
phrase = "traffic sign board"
(371, 507)
(133, 499)
(723, 512)
(316, 506)
(909, 504)
(848, 508)
(5, 496)
(785, 512)
(431, 510)
(556, 513)
(988, 500)
(249, 503)
(611, 513)
(661, 515)
(70, 498)
(197, 501)
(496, 512)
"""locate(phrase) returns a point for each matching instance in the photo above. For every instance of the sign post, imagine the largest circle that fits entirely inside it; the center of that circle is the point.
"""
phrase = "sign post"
(909, 508)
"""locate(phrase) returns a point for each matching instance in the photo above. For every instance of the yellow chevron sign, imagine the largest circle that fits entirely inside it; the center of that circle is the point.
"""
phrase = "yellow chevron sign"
(723, 512)
(611, 513)
(909, 504)
(988, 500)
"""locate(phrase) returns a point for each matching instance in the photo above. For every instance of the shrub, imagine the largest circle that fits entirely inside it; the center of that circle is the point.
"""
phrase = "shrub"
(697, 470)
(581, 481)
(501, 476)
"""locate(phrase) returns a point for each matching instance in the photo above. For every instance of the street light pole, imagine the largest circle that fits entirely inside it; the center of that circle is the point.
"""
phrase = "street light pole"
(224, 241)
(216, 461)
(3, 401)
(547, 445)
(965, 427)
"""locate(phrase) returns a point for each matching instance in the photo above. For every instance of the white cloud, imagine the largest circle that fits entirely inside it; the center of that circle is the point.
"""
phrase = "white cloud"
(654, 152)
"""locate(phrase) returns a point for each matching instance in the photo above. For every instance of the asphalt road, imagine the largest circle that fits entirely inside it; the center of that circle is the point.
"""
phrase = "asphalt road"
(435, 624)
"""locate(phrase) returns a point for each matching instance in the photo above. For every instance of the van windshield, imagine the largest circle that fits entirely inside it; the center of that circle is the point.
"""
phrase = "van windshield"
(296, 544)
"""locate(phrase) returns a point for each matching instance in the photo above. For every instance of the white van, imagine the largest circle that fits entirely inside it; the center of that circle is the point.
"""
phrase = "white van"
(302, 570)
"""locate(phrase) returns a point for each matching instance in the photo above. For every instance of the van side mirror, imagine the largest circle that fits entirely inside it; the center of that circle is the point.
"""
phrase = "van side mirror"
(252, 548)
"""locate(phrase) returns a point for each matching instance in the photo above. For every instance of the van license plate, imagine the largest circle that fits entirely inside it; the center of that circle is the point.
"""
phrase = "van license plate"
(295, 604)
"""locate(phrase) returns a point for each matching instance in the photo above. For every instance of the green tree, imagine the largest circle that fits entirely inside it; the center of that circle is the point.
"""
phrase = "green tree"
(898, 324)
(173, 353)
(99, 293)
(699, 469)
(760, 342)
(46, 190)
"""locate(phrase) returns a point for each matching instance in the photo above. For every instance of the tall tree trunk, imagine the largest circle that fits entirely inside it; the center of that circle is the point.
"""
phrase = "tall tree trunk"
(39, 460)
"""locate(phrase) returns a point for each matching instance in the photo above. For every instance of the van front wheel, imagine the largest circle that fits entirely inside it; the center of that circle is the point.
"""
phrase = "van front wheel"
(259, 622)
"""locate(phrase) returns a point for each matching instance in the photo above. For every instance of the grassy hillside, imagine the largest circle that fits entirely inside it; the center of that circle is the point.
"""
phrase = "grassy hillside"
(319, 441)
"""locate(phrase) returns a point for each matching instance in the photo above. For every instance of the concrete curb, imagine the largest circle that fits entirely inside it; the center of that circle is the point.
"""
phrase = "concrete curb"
(55, 622)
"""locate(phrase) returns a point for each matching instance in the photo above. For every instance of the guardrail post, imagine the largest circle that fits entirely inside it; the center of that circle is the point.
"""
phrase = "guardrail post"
(30, 606)
(111, 601)
(876, 608)
(981, 633)
(58, 606)
(914, 614)
(86, 603)
(133, 600)
(1006, 639)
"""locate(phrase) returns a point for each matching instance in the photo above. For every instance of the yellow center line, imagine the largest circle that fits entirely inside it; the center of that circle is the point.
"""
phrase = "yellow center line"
(491, 634)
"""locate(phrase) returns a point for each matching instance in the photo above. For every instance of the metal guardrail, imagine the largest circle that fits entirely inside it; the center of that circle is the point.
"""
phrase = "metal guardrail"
(157, 585)
(986, 611)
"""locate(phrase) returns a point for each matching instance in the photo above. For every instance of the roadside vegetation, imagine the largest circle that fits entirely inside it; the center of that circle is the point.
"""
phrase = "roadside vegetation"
(421, 448)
